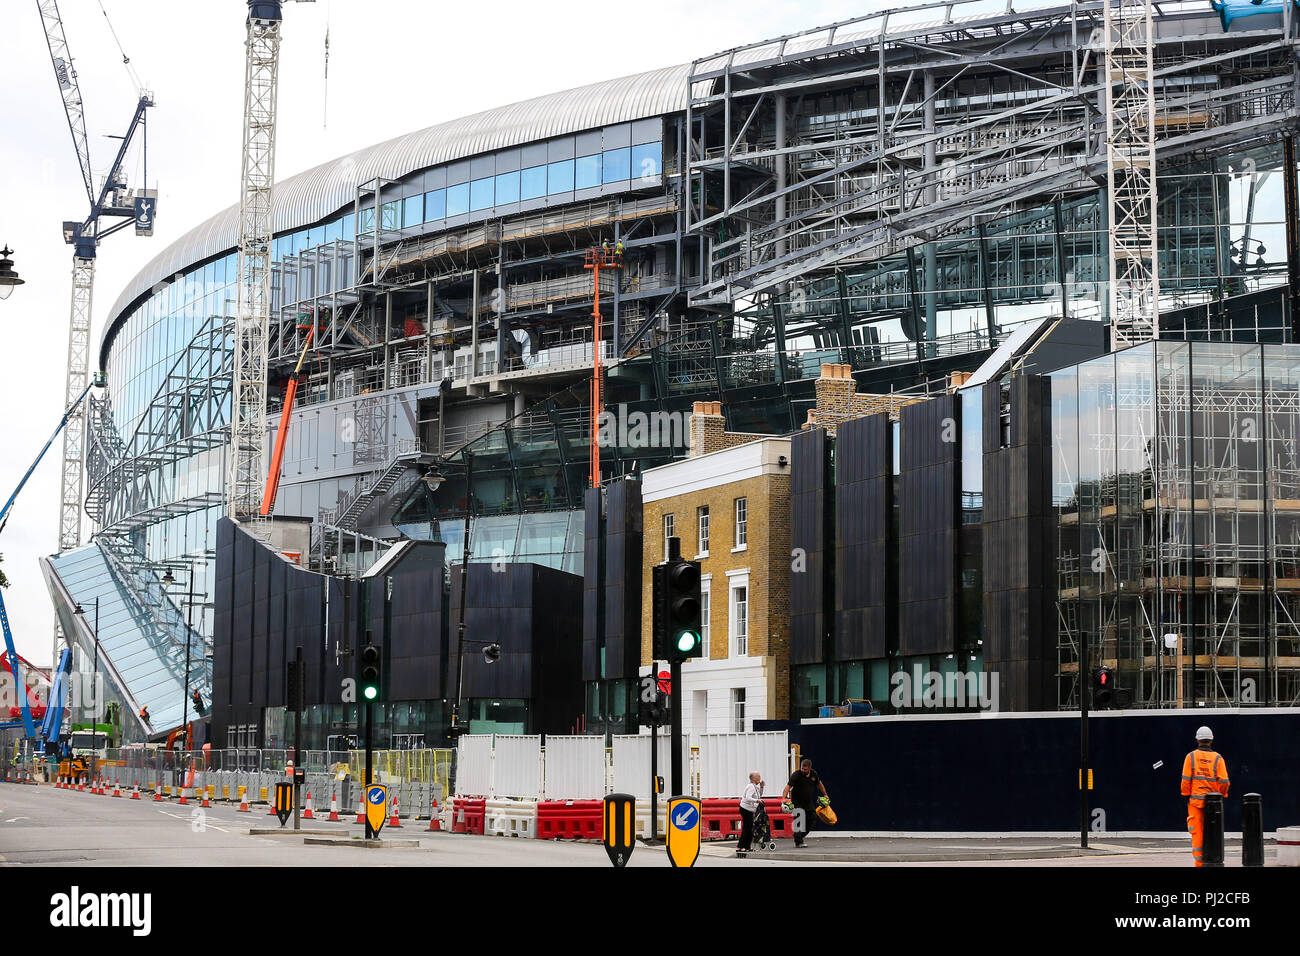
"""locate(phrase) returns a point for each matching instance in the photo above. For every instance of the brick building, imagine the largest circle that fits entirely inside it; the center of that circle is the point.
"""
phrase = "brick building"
(729, 504)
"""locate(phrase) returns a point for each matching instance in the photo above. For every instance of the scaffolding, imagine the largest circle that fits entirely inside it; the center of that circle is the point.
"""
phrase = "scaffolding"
(1178, 507)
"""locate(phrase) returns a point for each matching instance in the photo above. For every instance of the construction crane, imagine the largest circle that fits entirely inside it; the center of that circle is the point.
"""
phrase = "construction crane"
(246, 470)
(15, 666)
(1134, 294)
(111, 200)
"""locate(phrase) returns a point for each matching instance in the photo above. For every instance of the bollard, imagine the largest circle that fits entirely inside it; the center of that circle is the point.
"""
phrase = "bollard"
(1252, 830)
(1212, 848)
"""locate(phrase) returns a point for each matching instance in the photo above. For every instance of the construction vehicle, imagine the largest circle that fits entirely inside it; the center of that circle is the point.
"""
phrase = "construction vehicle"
(49, 731)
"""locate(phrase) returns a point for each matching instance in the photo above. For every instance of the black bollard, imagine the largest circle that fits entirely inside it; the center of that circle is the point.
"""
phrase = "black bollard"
(1212, 847)
(1252, 830)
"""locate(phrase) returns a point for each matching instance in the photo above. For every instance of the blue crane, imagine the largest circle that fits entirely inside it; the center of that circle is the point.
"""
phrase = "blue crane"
(49, 727)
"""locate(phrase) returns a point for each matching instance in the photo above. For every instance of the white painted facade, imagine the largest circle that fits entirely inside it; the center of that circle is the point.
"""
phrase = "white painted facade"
(712, 687)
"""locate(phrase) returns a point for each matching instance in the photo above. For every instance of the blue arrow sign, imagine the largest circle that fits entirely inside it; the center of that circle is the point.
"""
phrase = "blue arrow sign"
(684, 818)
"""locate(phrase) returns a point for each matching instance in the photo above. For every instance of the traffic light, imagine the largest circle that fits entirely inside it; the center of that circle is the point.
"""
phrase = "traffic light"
(1103, 687)
(659, 621)
(371, 660)
(683, 637)
(197, 700)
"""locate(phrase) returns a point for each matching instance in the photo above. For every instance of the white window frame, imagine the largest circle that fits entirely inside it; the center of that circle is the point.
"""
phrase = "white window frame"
(702, 529)
(738, 709)
(735, 648)
(706, 610)
(740, 516)
(670, 524)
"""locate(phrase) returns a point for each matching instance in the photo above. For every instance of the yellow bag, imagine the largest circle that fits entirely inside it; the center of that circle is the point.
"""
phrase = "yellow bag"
(827, 815)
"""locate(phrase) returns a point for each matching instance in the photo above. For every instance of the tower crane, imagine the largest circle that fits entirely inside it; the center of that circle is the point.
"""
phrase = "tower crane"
(112, 200)
(245, 466)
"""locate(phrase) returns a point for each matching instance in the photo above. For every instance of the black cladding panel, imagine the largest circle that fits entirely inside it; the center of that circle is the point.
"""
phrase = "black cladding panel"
(864, 562)
(930, 470)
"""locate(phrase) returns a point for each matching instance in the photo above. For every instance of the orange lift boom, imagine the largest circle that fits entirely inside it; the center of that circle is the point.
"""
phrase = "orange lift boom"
(282, 433)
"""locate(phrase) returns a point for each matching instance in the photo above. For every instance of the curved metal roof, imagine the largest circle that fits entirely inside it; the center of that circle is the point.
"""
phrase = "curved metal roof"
(312, 195)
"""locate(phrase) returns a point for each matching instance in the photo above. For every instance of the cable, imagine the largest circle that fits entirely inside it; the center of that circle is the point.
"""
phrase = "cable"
(126, 60)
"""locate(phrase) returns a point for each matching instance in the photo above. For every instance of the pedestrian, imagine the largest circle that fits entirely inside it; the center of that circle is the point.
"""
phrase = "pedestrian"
(1204, 772)
(804, 792)
(749, 803)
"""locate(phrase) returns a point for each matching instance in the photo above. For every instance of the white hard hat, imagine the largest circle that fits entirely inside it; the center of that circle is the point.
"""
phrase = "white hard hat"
(1204, 733)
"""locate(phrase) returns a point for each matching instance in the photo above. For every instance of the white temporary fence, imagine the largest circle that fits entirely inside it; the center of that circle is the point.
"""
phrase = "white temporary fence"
(582, 768)
(517, 767)
(726, 761)
(575, 767)
(474, 765)
(631, 756)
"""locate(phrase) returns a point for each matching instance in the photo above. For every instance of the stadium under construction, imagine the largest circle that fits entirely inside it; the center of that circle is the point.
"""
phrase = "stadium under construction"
(916, 194)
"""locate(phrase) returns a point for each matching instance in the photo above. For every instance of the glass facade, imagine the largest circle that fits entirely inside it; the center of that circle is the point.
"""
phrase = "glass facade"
(1175, 482)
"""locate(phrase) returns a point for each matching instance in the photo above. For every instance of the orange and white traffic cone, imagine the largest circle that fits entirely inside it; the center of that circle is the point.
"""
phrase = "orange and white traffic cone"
(243, 801)
(205, 802)
(183, 802)
(157, 792)
(435, 822)
(306, 813)
(135, 793)
(396, 821)
(117, 786)
(361, 810)
(334, 808)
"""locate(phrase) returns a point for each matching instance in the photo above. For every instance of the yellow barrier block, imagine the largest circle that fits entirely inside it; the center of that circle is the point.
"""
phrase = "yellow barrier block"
(225, 791)
(264, 795)
(242, 791)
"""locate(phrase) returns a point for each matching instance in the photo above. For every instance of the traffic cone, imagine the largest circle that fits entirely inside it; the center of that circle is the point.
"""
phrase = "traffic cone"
(396, 821)
(117, 786)
(435, 824)
(306, 813)
(334, 808)
(270, 803)
(135, 794)
(205, 802)
(243, 801)
(361, 810)
(157, 792)
(183, 801)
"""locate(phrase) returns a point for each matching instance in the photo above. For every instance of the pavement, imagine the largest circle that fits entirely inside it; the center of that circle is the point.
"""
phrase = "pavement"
(47, 826)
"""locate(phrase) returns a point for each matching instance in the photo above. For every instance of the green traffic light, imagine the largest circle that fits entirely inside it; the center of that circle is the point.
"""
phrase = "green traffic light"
(371, 692)
(687, 640)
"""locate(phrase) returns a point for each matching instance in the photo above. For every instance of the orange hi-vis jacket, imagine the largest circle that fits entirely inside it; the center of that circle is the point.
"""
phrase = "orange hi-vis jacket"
(1204, 772)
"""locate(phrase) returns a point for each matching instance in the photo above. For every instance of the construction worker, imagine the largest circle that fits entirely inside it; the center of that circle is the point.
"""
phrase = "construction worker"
(618, 249)
(1204, 772)
(144, 714)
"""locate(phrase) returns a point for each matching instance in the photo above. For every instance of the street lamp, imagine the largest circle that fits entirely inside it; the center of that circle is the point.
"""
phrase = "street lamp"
(94, 684)
(8, 277)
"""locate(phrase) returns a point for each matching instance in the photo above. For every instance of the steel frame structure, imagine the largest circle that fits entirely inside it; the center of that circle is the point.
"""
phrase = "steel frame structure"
(966, 119)
(246, 464)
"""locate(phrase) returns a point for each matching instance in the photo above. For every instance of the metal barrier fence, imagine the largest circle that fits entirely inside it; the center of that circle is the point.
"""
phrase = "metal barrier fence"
(415, 778)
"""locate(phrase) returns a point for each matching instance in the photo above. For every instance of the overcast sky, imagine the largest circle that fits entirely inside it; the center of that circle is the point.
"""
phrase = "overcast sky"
(394, 66)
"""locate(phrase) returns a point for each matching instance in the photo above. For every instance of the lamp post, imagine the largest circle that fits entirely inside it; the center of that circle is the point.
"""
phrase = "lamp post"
(169, 579)
(492, 650)
(94, 686)
(8, 277)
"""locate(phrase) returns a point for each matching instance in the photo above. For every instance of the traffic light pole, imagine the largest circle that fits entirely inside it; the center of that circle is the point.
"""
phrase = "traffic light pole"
(370, 708)
(297, 734)
(1085, 689)
(654, 756)
(675, 739)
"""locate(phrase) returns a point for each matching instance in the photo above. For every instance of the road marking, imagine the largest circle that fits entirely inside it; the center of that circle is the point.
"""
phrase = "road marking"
(16, 819)
(177, 816)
